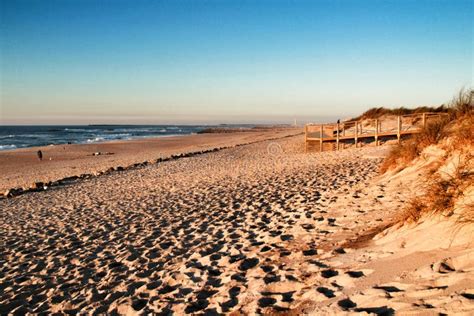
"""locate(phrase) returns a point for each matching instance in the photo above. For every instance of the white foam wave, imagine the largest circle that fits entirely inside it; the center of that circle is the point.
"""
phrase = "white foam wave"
(95, 140)
(5, 147)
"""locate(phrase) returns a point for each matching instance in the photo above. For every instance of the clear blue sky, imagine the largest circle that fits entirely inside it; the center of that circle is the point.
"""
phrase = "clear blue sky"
(79, 61)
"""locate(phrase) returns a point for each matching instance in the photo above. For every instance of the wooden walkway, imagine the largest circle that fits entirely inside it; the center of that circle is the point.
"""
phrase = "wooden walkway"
(356, 132)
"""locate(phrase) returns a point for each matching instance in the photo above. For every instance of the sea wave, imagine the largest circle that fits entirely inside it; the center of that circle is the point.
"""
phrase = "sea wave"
(135, 130)
(39, 135)
(95, 140)
(29, 136)
(5, 147)
(81, 130)
(105, 137)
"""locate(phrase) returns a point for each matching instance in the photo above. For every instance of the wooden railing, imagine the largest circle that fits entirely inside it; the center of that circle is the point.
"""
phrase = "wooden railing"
(361, 130)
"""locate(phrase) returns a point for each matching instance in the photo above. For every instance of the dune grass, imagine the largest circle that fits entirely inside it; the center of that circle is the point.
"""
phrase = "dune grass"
(458, 125)
(377, 112)
(441, 192)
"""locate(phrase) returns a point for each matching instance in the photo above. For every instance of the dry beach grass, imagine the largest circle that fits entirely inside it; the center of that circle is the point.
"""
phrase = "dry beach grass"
(443, 188)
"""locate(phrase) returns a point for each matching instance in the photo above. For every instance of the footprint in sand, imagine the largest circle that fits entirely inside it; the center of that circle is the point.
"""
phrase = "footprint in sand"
(388, 289)
(266, 301)
(346, 304)
(355, 274)
(326, 292)
(382, 310)
(310, 252)
(329, 273)
(248, 263)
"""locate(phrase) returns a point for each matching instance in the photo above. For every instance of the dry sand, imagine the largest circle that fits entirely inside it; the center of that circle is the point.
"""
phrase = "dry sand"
(261, 228)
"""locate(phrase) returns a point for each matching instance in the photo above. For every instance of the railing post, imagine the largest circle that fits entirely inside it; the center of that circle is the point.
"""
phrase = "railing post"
(424, 120)
(321, 138)
(356, 133)
(376, 132)
(337, 137)
(399, 128)
(343, 135)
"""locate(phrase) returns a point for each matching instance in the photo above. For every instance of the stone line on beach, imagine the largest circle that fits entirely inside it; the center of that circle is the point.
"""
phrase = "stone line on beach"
(240, 229)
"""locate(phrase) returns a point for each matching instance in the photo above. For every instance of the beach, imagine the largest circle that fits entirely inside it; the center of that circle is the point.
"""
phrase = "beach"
(257, 228)
(236, 158)
(21, 168)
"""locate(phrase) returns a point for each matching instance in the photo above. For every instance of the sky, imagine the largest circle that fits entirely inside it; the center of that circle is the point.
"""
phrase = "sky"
(170, 62)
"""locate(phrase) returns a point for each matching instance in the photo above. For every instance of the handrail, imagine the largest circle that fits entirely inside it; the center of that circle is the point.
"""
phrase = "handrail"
(376, 128)
(388, 116)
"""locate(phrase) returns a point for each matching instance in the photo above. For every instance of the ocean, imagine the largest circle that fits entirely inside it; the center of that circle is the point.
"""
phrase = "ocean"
(12, 137)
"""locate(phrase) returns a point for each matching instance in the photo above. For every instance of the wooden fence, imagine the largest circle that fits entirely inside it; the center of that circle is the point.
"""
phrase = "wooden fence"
(355, 132)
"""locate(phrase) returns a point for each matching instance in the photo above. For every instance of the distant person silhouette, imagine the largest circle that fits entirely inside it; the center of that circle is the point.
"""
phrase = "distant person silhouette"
(40, 155)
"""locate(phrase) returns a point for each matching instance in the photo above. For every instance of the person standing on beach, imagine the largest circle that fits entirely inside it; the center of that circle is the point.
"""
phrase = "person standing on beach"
(335, 132)
(40, 155)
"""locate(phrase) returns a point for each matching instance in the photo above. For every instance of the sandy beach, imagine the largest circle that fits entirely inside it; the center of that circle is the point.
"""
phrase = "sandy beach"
(260, 228)
(236, 158)
(21, 168)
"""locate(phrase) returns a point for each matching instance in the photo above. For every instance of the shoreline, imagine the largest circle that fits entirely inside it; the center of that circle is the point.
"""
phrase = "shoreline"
(90, 143)
(211, 129)
(70, 162)
(116, 141)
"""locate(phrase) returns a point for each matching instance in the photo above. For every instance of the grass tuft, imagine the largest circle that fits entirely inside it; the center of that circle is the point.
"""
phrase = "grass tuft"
(442, 192)
(458, 125)
(378, 112)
